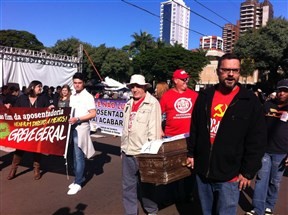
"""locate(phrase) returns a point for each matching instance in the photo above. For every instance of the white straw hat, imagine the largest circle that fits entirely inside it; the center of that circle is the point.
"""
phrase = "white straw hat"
(138, 79)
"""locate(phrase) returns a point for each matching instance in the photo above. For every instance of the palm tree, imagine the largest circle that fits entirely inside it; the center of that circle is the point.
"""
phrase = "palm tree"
(142, 42)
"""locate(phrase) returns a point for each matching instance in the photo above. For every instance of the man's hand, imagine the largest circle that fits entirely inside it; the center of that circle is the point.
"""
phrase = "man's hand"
(243, 182)
(8, 105)
(51, 107)
(286, 161)
(190, 163)
(73, 120)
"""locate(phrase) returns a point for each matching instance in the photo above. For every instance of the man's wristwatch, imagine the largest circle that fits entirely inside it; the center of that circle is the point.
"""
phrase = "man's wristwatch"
(78, 120)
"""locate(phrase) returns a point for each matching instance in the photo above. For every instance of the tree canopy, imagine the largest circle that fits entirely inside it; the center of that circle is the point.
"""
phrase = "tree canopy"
(268, 48)
(145, 55)
(20, 39)
(159, 64)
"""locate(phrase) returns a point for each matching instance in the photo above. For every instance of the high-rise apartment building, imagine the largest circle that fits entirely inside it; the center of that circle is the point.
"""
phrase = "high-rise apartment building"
(211, 43)
(230, 35)
(254, 15)
(174, 22)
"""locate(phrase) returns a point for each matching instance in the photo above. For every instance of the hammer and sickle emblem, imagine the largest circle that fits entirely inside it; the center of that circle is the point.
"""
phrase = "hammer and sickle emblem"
(220, 110)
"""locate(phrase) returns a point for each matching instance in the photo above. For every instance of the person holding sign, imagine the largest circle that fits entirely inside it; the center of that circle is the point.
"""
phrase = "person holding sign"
(33, 99)
(83, 109)
(142, 123)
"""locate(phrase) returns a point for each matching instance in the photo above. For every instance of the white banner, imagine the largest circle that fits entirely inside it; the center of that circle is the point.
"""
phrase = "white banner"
(24, 72)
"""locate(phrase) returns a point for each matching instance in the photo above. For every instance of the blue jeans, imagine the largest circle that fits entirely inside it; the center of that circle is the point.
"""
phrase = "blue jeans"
(79, 160)
(267, 182)
(218, 197)
(130, 185)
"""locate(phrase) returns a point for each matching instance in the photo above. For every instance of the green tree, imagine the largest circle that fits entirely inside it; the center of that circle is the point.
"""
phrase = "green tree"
(70, 47)
(142, 42)
(116, 65)
(20, 39)
(267, 47)
(159, 64)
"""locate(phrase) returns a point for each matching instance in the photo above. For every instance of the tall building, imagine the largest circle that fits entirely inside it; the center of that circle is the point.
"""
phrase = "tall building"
(174, 22)
(230, 36)
(211, 43)
(254, 15)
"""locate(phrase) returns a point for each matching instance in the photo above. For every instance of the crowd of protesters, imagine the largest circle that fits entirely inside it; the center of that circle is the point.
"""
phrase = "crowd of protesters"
(235, 134)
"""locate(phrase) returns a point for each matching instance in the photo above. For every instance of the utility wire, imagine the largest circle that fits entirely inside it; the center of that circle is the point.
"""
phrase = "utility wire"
(212, 11)
(215, 13)
(153, 14)
(203, 17)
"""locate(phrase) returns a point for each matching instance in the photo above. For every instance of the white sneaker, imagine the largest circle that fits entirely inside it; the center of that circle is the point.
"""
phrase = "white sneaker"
(268, 211)
(74, 189)
(70, 186)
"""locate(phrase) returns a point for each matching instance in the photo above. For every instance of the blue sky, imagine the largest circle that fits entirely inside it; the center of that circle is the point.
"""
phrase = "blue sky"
(112, 22)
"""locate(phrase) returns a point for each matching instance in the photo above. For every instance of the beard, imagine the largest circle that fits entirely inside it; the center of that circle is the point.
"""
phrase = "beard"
(228, 84)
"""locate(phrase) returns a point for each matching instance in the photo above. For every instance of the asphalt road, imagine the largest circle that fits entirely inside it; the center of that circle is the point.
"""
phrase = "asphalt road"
(101, 194)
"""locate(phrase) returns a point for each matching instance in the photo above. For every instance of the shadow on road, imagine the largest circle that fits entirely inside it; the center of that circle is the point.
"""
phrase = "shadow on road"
(56, 164)
(66, 211)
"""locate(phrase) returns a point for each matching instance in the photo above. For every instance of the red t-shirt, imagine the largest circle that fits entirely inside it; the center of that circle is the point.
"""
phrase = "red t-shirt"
(178, 108)
(219, 106)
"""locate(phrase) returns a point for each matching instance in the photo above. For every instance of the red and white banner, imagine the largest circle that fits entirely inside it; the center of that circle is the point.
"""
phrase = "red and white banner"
(35, 129)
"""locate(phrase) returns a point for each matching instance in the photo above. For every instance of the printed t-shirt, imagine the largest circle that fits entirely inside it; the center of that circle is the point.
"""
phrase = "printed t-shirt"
(178, 108)
(219, 106)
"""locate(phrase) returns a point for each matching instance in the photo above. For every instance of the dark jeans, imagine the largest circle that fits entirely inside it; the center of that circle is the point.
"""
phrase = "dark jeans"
(130, 185)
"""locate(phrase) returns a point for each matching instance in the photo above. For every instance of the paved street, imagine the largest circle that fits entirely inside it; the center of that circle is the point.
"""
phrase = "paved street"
(101, 195)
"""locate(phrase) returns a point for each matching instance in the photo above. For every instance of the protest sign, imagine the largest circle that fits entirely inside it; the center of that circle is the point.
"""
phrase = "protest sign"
(109, 115)
(35, 129)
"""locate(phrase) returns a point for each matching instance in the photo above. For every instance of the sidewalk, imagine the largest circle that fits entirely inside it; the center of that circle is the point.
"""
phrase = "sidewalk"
(101, 195)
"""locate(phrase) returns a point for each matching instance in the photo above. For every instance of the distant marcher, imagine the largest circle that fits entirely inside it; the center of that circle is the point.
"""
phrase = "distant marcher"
(23, 90)
(83, 109)
(142, 123)
(64, 96)
(227, 139)
(32, 99)
(160, 89)
(268, 178)
(260, 95)
(12, 95)
(4, 93)
(57, 94)
(50, 95)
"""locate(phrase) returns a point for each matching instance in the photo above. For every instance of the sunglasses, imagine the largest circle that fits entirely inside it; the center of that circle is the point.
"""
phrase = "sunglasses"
(184, 79)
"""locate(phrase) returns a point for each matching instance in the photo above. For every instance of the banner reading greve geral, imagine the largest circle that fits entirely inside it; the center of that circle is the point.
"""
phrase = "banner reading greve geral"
(35, 129)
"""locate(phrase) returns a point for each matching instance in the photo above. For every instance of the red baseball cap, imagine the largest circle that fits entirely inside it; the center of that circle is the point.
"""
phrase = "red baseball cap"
(180, 73)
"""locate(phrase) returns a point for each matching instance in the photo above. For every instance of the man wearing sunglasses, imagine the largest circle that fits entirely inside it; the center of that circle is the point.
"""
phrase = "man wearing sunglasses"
(177, 103)
(227, 139)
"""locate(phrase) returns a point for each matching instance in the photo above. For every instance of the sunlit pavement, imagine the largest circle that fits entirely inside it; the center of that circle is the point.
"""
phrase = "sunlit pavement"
(101, 195)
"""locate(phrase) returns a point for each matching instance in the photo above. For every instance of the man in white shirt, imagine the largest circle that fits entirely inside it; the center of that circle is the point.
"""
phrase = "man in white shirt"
(83, 109)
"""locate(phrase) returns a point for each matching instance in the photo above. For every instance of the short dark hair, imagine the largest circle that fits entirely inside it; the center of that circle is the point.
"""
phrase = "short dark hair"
(228, 56)
(14, 89)
(78, 75)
